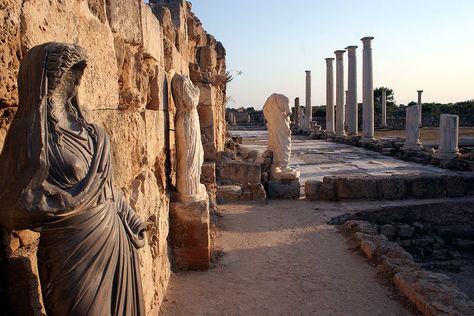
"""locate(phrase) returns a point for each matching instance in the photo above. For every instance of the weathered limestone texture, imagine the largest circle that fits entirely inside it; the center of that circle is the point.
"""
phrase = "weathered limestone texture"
(329, 96)
(340, 109)
(367, 90)
(352, 106)
(134, 50)
(412, 127)
(448, 137)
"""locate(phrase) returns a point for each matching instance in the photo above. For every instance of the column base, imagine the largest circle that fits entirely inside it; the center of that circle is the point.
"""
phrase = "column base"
(190, 234)
(446, 155)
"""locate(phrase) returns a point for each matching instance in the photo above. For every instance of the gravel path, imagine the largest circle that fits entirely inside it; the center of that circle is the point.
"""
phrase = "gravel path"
(282, 259)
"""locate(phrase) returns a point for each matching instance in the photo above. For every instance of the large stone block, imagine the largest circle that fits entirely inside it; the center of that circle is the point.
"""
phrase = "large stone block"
(152, 35)
(71, 22)
(206, 116)
(357, 187)
(424, 186)
(207, 57)
(207, 95)
(190, 236)
(392, 188)
(124, 17)
(238, 172)
(284, 190)
(311, 189)
(208, 173)
(228, 193)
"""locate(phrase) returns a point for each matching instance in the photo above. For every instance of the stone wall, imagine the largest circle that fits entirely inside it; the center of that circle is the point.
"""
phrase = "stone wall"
(134, 50)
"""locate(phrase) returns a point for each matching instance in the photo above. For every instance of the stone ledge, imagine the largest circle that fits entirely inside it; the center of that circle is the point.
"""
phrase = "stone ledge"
(284, 190)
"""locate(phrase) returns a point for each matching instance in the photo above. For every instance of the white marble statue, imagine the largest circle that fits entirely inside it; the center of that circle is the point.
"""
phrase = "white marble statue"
(189, 150)
(412, 127)
(277, 114)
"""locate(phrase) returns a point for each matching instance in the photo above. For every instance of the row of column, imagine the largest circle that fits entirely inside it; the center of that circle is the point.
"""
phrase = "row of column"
(336, 124)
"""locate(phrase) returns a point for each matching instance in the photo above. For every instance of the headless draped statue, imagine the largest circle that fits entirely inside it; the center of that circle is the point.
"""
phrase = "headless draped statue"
(190, 153)
(56, 178)
(277, 113)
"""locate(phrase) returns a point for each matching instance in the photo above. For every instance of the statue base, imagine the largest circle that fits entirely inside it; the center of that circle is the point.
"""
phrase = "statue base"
(190, 234)
(281, 189)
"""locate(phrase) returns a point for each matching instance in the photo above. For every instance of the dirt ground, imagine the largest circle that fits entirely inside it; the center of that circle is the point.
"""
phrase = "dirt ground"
(426, 133)
(282, 259)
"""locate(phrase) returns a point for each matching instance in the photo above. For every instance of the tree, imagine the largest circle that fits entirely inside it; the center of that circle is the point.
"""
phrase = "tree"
(391, 104)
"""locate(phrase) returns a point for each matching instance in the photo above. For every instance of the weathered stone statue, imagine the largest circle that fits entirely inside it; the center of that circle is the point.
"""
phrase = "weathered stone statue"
(190, 153)
(189, 209)
(56, 178)
(277, 114)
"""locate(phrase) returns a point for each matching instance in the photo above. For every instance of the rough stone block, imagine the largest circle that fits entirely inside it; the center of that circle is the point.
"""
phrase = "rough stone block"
(152, 35)
(207, 57)
(208, 173)
(207, 95)
(206, 116)
(311, 189)
(284, 190)
(357, 187)
(255, 192)
(424, 187)
(123, 16)
(190, 235)
(368, 248)
(392, 188)
(327, 191)
(237, 172)
(228, 193)
(453, 185)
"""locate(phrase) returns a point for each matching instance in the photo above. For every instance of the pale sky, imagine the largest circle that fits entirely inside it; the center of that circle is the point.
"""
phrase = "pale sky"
(419, 44)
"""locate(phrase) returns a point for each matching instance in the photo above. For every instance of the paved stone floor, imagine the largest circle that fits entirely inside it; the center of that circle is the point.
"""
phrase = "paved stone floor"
(317, 158)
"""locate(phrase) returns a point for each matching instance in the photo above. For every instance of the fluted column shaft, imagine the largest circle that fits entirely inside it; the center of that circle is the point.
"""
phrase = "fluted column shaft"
(297, 112)
(419, 106)
(448, 136)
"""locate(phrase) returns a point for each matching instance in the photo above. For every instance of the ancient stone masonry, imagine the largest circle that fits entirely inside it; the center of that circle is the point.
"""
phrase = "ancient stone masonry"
(134, 50)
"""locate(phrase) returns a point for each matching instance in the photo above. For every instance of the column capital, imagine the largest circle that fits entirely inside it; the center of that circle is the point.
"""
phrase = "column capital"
(329, 59)
(308, 72)
(339, 53)
(351, 47)
(419, 91)
(367, 40)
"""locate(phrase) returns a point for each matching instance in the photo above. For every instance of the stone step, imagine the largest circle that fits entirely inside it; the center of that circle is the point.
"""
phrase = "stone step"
(231, 193)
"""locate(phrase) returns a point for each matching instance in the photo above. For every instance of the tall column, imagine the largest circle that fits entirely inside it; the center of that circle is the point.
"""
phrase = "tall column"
(309, 110)
(367, 89)
(419, 105)
(383, 121)
(345, 109)
(297, 112)
(340, 93)
(352, 111)
(329, 96)
(448, 136)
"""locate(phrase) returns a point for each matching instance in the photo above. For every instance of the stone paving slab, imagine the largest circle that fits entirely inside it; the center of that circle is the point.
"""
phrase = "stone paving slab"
(317, 159)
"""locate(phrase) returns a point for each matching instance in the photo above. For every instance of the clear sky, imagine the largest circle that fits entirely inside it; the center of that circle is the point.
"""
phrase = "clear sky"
(419, 44)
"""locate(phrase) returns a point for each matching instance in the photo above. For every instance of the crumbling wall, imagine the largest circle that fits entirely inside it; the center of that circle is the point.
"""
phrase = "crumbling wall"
(134, 49)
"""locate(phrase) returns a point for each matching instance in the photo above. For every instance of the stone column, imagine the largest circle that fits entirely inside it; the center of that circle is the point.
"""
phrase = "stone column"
(345, 109)
(352, 107)
(309, 110)
(448, 137)
(297, 112)
(383, 121)
(329, 96)
(367, 89)
(340, 93)
(419, 105)
(412, 128)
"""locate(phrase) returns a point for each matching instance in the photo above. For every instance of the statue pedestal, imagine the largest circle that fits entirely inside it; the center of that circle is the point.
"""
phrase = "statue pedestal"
(284, 188)
(190, 234)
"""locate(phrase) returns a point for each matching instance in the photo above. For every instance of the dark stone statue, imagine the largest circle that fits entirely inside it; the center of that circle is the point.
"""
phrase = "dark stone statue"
(56, 178)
